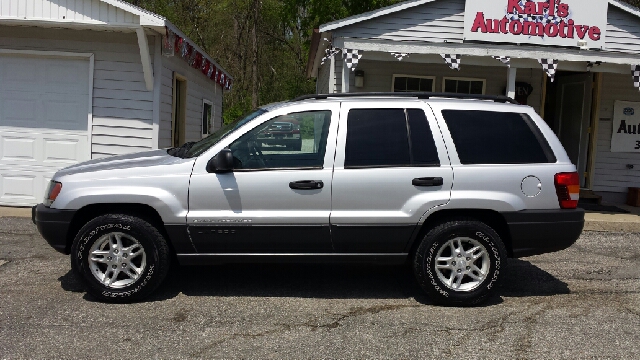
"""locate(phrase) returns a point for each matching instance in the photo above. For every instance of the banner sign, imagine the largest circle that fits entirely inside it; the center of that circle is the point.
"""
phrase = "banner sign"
(545, 22)
(625, 136)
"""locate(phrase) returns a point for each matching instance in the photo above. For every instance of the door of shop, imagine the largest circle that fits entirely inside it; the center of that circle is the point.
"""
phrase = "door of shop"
(572, 118)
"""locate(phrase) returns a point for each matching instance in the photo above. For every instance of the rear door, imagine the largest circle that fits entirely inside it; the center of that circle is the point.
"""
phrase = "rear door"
(391, 168)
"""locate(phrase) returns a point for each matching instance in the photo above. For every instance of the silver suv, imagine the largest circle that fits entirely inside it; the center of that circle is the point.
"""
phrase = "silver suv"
(452, 184)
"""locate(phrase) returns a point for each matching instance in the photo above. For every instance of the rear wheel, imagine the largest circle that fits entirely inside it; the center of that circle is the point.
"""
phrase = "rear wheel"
(120, 258)
(460, 262)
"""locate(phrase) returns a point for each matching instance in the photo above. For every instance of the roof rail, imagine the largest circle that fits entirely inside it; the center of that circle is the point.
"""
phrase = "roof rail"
(419, 95)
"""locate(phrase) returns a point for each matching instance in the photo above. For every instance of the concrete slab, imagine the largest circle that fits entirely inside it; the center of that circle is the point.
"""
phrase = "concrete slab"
(15, 211)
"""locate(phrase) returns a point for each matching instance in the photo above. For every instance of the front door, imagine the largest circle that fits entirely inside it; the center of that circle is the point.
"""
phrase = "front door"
(278, 197)
(573, 112)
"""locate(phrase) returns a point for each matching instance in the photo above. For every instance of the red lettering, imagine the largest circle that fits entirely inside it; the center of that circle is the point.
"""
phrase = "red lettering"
(563, 10)
(570, 30)
(563, 28)
(513, 5)
(541, 7)
(530, 8)
(503, 25)
(552, 8)
(581, 31)
(594, 33)
(515, 27)
(478, 23)
(551, 30)
(533, 28)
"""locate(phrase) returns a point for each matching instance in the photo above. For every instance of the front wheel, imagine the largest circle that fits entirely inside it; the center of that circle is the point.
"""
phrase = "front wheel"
(460, 262)
(120, 258)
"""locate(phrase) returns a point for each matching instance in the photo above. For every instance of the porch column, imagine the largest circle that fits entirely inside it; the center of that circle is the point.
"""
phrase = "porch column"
(345, 77)
(511, 82)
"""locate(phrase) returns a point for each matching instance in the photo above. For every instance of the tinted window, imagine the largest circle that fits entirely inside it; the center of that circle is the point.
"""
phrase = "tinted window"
(389, 137)
(377, 137)
(423, 148)
(487, 137)
(295, 140)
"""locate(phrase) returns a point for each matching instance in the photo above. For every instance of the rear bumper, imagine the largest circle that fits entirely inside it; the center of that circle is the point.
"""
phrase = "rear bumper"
(536, 232)
(53, 225)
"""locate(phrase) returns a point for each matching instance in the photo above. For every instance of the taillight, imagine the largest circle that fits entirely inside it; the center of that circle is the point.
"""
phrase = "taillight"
(568, 189)
(52, 192)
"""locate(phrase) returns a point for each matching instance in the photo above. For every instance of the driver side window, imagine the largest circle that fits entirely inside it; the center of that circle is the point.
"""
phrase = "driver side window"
(296, 140)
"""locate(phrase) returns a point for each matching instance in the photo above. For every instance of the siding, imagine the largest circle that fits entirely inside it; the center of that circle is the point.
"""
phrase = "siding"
(122, 107)
(623, 31)
(322, 85)
(379, 75)
(437, 22)
(198, 88)
(79, 11)
(611, 174)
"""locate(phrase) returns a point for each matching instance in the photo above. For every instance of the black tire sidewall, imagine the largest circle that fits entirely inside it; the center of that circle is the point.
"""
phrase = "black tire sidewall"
(424, 264)
(148, 237)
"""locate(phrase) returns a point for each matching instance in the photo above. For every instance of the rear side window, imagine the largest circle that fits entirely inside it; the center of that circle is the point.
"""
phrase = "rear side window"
(389, 138)
(489, 137)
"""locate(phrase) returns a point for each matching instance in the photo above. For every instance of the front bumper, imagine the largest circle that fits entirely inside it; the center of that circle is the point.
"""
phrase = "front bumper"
(535, 232)
(53, 225)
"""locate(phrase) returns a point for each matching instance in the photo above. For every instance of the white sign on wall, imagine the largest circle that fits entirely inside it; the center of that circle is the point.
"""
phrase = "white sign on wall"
(545, 22)
(625, 136)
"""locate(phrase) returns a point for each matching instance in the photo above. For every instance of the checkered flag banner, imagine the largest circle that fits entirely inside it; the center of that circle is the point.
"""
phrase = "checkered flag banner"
(549, 66)
(329, 53)
(545, 18)
(591, 64)
(503, 59)
(635, 71)
(399, 56)
(351, 58)
(452, 60)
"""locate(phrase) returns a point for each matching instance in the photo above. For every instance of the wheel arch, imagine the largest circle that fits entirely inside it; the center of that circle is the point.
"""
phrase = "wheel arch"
(493, 219)
(92, 211)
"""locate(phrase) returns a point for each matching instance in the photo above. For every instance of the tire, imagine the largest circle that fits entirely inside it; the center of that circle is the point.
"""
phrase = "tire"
(137, 250)
(475, 275)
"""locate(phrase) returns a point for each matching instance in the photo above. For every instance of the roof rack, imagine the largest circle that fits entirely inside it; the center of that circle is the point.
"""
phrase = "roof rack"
(419, 95)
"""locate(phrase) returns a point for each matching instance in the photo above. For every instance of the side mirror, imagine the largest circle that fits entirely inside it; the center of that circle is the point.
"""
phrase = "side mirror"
(221, 163)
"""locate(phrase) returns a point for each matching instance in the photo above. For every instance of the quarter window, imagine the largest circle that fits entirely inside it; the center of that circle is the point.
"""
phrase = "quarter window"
(389, 138)
(296, 140)
(488, 137)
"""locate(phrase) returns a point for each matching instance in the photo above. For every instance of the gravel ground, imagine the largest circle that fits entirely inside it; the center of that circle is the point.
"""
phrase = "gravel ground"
(583, 302)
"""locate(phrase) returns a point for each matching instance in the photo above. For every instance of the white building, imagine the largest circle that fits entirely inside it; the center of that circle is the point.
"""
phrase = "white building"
(83, 79)
(595, 43)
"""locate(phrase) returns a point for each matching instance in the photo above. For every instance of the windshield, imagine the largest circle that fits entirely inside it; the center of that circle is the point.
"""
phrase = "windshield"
(206, 143)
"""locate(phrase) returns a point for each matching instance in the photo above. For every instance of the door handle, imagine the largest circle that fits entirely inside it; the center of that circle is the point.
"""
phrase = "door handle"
(428, 181)
(306, 184)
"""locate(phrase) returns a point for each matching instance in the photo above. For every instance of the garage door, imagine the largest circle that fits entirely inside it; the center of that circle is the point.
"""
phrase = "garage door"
(44, 105)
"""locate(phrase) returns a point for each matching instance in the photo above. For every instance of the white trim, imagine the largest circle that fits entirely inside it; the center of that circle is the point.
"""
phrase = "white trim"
(150, 18)
(157, 87)
(409, 4)
(432, 78)
(72, 55)
(485, 50)
(484, 81)
(211, 119)
(332, 75)
(145, 57)
(371, 14)
(90, 114)
(345, 77)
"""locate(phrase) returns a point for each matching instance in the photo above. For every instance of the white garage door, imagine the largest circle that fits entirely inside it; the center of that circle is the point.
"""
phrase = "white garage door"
(44, 105)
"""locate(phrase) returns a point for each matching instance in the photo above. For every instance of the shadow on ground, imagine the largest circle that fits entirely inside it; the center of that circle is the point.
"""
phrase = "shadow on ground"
(331, 281)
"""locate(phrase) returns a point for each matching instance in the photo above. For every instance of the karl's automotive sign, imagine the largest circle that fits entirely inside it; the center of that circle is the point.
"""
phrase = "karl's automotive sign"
(626, 127)
(550, 22)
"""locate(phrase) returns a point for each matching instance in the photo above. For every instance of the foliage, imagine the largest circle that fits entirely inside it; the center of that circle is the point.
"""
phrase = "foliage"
(263, 44)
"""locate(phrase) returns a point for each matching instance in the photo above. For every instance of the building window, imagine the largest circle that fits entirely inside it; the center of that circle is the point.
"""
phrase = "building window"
(406, 83)
(207, 117)
(464, 85)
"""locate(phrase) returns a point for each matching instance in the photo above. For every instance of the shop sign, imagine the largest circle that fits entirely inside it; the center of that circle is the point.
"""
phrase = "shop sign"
(552, 22)
(625, 136)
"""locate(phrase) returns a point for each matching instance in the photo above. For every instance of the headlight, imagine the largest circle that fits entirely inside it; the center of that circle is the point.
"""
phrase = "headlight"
(53, 190)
